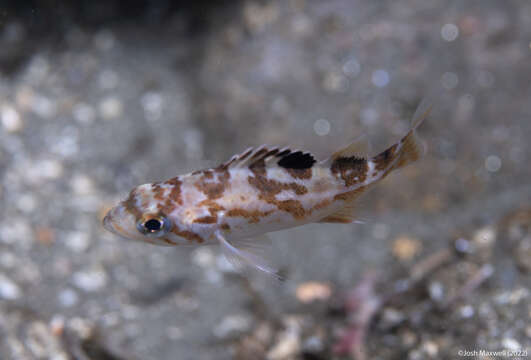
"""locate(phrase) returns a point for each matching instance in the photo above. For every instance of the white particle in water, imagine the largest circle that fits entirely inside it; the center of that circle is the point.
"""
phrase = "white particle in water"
(67, 297)
(321, 127)
(110, 108)
(108, 79)
(43, 106)
(380, 78)
(351, 68)
(84, 114)
(174, 333)
(369, 116)
(380, 231)
(493, 163)
(449, 80)
(82, 184)
(104, 40)
(26, 203)
(449, 32)
(152, 104)
(11, 120)
(49, 169)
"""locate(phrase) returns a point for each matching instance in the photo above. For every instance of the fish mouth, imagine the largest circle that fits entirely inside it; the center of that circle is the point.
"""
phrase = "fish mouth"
(107, 223)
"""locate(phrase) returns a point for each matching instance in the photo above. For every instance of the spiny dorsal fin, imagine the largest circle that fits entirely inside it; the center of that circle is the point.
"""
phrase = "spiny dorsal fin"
(285, 158)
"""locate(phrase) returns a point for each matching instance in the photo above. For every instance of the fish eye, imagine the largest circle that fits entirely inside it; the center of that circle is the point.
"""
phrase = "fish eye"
(154, 225)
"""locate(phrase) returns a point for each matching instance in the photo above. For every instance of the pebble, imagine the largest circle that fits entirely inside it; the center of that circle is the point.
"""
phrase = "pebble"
(391, 317)
(57, 325)
(203, 257)
(288, 345)
(511, 344)
(82, 327)
(82, 184)
(313, 344)
(436, 291)
(48, 169)
(380, 78)
(8, 289)
(11, 120)
(351, 68)
(42, 343)
(84, 113)
(430, 348)
(77, 241)
(466, 311)
(449, 80)
(523, 254)
(107, 79)
(90, 280)
(45, 235)
(174, 333)
(313, 291)
(405, 248)
(67, 297)
(233, 325)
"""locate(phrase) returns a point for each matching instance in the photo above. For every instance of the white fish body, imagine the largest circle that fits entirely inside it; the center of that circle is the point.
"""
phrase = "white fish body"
(256, 192)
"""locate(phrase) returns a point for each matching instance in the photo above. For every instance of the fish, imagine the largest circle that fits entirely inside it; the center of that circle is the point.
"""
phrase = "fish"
(258, 191)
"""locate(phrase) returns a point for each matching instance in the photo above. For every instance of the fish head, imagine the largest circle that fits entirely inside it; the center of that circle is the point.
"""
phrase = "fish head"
(142, 217)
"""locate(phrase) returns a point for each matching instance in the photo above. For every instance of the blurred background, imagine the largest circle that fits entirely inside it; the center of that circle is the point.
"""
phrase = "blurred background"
(99, 96)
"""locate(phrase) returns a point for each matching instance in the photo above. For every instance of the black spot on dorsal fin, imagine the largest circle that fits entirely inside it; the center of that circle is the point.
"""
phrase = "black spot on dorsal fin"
(296, 160)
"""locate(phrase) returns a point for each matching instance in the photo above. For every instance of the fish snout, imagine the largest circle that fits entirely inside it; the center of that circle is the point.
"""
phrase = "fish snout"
(107, 222)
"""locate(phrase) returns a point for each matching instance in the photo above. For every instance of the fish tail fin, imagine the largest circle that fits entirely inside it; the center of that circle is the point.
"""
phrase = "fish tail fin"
(409, 149)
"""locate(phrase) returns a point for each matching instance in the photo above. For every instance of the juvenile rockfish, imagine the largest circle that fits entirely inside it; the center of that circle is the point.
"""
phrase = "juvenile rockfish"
(256, 192)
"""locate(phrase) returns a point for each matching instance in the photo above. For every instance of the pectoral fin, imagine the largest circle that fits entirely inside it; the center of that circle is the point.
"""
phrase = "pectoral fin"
(245, 255)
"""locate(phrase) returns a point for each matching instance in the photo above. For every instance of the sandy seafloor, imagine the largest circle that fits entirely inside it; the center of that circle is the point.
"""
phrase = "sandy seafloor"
(96, 97)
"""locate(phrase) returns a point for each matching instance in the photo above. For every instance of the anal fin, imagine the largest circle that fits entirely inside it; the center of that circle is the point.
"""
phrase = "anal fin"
(344, 215)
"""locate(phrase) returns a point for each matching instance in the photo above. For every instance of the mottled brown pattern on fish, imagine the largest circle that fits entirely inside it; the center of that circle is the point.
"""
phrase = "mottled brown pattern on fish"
(350, 195)
(384, 159)
(130, 205)
(294, 207)
(172, 200)
(352, 170)
(169, 242)
(252, 215)
(188, 235)
(269, 188)
(300, 173)
(213, 190)
(322, 204)
(158, 191)
(206, 220)
(175, 193)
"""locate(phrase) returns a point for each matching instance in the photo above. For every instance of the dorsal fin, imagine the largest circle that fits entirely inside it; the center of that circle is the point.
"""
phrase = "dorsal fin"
(285, 158)
(359, 148)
